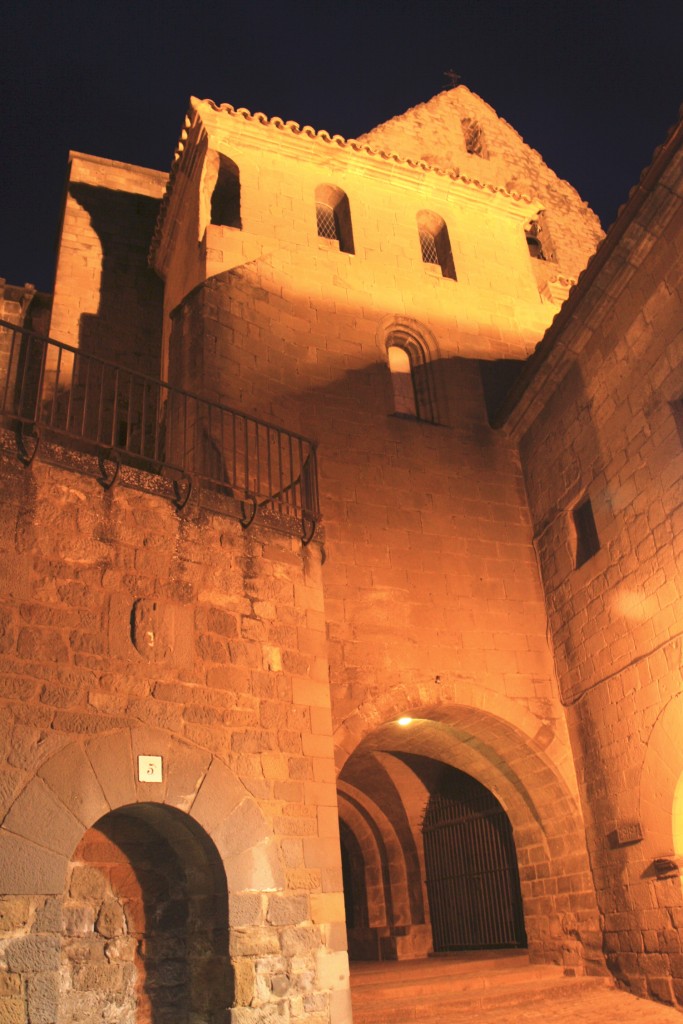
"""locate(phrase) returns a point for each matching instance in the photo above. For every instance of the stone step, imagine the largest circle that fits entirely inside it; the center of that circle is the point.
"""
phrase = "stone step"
(443, 1003)
(453, 1007)
(435, 988)
(421, 978)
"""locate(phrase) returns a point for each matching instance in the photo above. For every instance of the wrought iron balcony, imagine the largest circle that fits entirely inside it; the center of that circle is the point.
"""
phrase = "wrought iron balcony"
(232, 463)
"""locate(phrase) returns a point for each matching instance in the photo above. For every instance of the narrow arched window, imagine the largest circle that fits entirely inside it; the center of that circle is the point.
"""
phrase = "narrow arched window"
(411, 379)
(225, 198)
(475, 142)
(402, 381)
(435, 243)
(333, 216)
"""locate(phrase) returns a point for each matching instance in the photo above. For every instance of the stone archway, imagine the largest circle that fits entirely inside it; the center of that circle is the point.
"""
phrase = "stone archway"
(526, 767)
(200, 811)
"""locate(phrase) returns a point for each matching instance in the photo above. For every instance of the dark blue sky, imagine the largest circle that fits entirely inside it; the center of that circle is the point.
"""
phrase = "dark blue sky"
(593, 86)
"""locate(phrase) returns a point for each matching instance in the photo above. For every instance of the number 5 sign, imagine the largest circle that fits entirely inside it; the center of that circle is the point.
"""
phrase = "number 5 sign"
(149, 768)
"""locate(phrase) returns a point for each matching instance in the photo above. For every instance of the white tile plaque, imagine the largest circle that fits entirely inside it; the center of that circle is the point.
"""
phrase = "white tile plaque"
(150, 768)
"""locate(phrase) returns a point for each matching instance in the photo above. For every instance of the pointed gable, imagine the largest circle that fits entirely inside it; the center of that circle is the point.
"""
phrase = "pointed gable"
(457, 130)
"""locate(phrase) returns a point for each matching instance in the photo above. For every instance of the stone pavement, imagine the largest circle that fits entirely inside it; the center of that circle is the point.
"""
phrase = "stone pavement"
(492, 987)
(589, 1006)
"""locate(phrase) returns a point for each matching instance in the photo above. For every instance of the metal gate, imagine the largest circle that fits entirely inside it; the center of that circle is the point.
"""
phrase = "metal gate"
(472, 877)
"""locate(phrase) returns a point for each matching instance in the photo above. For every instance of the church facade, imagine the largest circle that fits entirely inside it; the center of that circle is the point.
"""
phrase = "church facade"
(338, 616)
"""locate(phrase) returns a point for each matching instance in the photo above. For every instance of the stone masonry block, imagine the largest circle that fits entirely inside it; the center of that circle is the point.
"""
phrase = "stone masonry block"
(327, 907)
(340, 1006)
(246, 908)
(112, 758)
(14, 913)
(268, 1014)
(300, 941)
(332, 969)
(43, 997)
(12, 1011)
(328, 822)
(49, 917)
(87, 883)
(10, 985)
(110, 919)
(253, 942)
(34, 954)
(219, 794)
(244, 982)
(26, 868)
(39, 816)
(71, 777)
(335, 936)
(258, 868)
(186, 768)
(286, 909)
(321, 853)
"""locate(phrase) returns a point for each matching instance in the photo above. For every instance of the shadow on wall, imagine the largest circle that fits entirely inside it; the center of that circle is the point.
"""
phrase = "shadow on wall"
(145, 932)
(127, 325)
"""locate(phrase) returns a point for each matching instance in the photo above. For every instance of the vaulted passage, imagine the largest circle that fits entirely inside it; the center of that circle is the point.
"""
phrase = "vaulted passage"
(145, 916)
(458, 834)
(430, 866)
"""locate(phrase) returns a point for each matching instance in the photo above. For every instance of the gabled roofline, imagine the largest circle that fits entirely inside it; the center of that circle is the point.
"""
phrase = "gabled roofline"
(537, 367)
(390, 158)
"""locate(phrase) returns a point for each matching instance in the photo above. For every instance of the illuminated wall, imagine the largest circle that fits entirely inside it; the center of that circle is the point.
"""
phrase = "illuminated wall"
(601, 443)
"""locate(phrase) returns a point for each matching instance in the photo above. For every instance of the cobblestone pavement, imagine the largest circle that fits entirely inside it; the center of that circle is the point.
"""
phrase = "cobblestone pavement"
(595, 1006)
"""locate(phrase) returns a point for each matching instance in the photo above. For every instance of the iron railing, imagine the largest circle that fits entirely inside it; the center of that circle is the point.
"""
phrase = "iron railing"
(243, 466)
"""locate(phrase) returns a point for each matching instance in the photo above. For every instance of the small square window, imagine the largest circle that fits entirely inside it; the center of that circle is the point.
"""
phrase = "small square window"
(587, 540)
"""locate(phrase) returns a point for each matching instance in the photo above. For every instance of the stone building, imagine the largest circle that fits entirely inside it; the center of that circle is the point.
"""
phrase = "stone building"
(333, 610)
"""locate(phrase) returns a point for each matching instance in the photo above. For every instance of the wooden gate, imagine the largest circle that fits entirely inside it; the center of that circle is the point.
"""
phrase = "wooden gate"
(472, 877)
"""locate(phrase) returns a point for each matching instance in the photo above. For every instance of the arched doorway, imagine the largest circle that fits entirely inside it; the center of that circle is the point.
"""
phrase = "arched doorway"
(145, 922)
(472, 878)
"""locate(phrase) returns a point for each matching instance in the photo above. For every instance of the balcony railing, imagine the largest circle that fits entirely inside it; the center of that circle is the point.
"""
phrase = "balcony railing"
(235, 463)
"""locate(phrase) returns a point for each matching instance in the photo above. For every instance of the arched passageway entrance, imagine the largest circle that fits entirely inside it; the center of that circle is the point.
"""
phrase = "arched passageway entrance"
(507, 866)
(145, 923)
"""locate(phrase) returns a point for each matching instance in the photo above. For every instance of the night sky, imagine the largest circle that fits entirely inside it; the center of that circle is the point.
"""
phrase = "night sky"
(594, 86)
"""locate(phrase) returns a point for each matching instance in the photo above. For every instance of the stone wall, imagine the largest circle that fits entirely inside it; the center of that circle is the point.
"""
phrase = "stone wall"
(129, 629)
(598, 423)
(430, 581)
(107, 302)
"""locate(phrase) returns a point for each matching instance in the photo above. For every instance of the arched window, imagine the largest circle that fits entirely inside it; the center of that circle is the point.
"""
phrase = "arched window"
(225, 198)
(402, 381)
(333, 216)
(411, 378)
(435, 243)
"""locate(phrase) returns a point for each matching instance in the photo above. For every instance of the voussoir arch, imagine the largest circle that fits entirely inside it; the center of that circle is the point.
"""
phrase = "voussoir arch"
(87, 779)
(520, 759)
